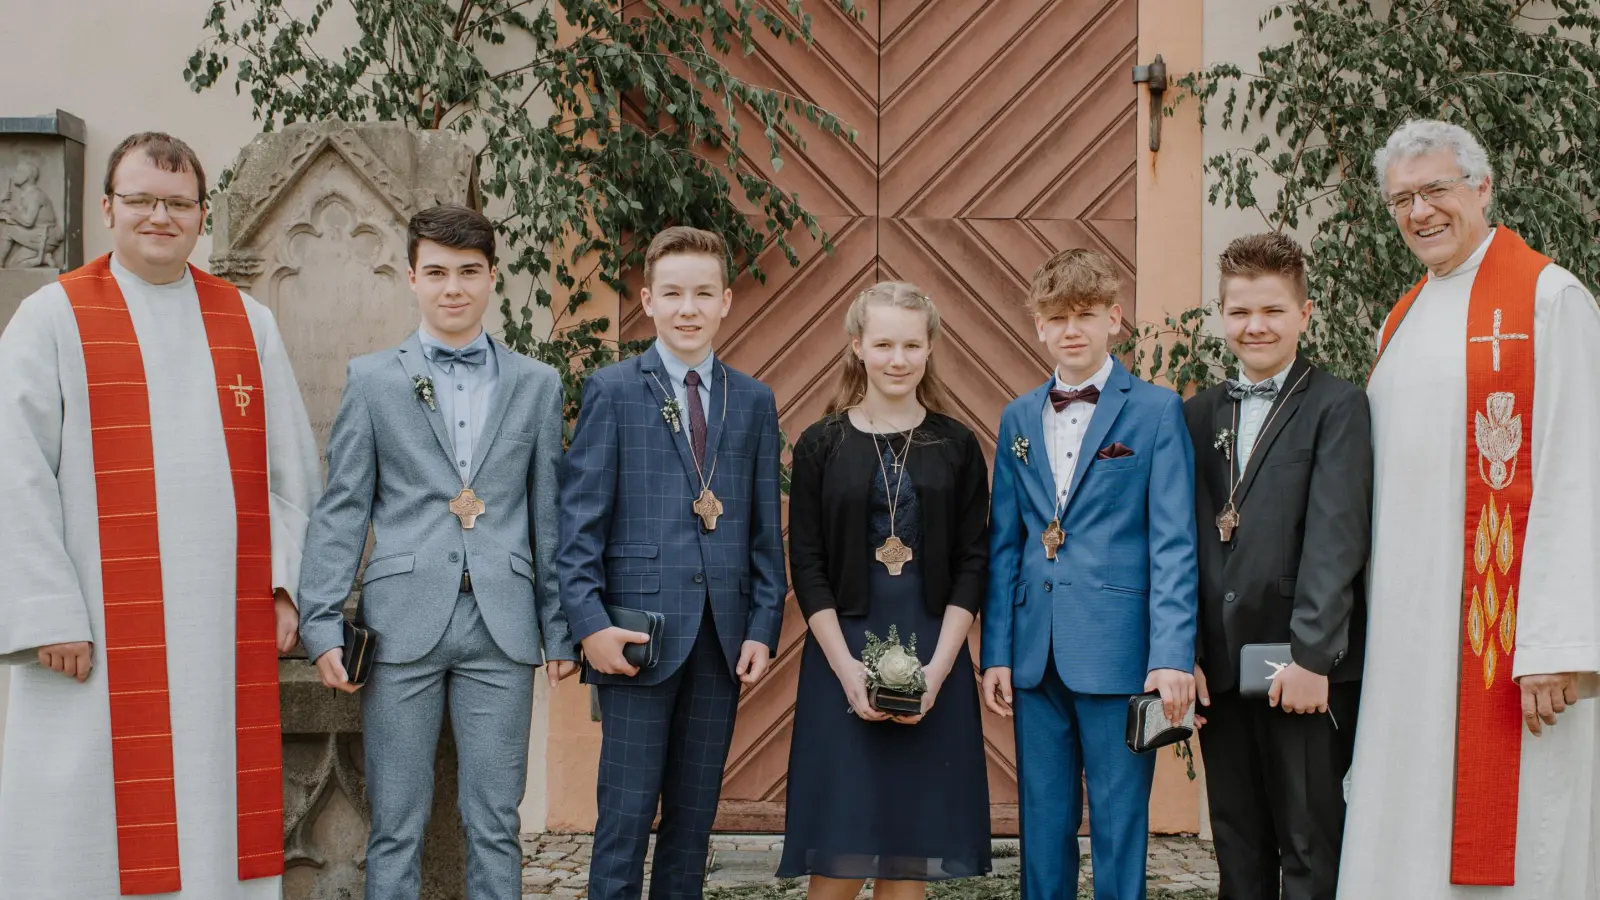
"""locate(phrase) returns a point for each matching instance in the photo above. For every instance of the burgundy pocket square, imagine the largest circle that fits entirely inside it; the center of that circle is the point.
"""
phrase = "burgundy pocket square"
(1115, 451)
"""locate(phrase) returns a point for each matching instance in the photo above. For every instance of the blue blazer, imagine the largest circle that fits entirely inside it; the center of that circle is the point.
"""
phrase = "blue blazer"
(1122, 595)
(629, 536)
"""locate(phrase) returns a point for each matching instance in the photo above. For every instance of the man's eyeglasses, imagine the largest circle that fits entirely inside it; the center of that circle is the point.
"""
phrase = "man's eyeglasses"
(146, 203)
(1401, 203)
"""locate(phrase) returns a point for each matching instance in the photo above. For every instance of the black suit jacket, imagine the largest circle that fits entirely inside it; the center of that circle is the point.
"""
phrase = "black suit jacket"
(1295, 571)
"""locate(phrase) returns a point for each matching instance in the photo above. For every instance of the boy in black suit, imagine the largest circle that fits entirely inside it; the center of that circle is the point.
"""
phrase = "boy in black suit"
(1283, 500)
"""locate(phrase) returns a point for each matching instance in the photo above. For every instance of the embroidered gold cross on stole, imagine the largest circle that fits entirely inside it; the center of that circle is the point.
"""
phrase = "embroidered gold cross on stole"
(241, 393)
(1496, 337)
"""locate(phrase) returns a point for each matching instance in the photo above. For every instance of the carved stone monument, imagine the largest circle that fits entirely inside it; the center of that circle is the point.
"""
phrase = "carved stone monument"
(41, 203)
(313, 225)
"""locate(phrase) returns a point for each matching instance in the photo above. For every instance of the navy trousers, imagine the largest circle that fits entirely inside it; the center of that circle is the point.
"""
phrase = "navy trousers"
(666, 742)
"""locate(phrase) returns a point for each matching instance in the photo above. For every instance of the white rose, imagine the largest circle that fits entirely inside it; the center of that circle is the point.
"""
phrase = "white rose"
(897, 666)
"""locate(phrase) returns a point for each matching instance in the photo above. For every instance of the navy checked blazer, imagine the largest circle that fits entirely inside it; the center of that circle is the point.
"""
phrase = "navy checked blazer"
(629, 536)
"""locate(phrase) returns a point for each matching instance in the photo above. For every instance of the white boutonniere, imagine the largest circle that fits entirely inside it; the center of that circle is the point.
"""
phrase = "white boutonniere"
(671, 413)
(1019, 447)
(1224, 441)
(422, 386)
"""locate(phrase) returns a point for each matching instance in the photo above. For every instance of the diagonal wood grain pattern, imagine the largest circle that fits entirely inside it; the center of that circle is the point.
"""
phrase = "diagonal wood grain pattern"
(992, 133)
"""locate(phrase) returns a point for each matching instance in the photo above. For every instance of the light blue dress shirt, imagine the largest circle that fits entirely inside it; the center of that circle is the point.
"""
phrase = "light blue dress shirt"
(678, 370)
(464, 393)
(1253, 414)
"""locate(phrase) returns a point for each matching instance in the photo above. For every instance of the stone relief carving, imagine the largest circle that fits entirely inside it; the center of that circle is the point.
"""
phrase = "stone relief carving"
(30, 229)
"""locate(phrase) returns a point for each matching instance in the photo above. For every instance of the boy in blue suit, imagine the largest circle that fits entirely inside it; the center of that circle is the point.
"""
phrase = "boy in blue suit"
(1092, 588)
(670, 505)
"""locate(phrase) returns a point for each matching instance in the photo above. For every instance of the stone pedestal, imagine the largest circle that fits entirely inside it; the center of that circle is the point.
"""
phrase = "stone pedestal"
(41, 203)
(313, 225)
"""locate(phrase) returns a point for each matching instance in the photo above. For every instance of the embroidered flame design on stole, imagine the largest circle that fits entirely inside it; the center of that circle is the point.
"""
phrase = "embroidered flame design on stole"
(1500, 381)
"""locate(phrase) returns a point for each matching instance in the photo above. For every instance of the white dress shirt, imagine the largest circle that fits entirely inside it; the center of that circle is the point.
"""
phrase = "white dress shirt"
(1253, 412)
(463, 393)
(1064, 431)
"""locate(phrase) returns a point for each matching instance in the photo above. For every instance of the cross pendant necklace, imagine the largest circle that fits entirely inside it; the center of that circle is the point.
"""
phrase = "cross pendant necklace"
(893, 553)
(706, 505)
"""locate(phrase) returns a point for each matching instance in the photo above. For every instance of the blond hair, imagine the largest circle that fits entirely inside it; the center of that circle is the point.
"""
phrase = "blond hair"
(852, 382)
(1071, 281)
(682, 239)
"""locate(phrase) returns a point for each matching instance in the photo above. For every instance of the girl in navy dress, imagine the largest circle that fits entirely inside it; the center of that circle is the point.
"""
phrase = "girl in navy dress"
(903, 800)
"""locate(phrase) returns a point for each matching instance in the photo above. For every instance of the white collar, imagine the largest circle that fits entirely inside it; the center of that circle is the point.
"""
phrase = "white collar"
(1279, 378)
(1471, 263)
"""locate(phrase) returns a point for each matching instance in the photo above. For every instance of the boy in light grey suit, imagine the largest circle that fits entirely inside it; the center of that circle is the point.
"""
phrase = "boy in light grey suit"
(448, 446)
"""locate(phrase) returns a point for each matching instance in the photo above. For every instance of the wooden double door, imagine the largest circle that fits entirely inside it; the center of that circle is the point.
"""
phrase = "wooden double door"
(992, 133)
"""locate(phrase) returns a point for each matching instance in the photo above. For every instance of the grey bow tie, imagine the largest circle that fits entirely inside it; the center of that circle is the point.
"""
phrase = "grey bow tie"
(1266, 390)
(444, 356)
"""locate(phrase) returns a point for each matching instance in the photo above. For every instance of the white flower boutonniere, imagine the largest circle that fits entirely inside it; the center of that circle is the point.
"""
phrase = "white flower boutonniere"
(671, 412)
(422, 386)
(1019, 447)
(1224, 441)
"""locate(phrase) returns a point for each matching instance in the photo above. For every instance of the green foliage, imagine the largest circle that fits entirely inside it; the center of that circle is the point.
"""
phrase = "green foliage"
(1521, 76)
(646, 125)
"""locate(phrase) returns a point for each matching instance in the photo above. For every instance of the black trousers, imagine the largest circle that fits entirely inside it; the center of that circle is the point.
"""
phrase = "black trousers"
(1275, 784)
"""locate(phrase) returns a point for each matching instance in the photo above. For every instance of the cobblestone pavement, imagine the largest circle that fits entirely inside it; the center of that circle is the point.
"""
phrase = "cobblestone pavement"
(557, 865)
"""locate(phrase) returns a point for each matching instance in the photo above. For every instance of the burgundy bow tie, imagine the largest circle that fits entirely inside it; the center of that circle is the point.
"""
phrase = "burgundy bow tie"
(1059, 398)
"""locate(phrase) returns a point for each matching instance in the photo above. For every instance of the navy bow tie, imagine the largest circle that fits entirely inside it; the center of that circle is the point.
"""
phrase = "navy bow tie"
(444, 356)
(1266, 390)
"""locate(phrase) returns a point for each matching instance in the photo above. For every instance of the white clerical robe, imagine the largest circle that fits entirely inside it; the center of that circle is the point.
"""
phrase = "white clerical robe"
(58, 836)
(1398, 823)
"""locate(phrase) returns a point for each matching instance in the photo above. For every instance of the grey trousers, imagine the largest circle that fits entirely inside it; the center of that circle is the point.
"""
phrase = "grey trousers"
(490, 698)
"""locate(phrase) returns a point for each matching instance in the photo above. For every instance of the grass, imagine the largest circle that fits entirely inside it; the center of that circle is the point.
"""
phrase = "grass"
(1000, 887)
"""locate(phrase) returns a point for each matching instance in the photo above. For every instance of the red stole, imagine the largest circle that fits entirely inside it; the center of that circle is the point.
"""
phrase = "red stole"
(1500, 370)
(130, 566)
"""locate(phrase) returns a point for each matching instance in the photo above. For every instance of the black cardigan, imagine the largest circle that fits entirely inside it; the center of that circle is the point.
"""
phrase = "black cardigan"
(829, 512)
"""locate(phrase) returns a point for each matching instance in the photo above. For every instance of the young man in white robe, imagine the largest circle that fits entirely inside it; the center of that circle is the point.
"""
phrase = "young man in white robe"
(156, 471)
(1475, 762)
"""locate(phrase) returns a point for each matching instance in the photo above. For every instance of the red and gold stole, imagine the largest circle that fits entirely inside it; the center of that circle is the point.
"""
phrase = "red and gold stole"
(1500, 354)
(130, 566)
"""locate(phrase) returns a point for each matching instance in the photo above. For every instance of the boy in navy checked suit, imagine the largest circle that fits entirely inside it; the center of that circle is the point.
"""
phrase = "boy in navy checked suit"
(670, 504)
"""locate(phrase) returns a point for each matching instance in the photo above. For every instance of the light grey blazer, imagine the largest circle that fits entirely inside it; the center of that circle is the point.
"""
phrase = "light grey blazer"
(390, 465)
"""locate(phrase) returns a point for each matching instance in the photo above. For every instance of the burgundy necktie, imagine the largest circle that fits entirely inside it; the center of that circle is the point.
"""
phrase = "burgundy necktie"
(697, 417)
(1059, 398)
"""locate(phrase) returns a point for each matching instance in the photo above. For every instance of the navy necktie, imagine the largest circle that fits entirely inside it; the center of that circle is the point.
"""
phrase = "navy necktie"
(697, 416)
(446, 358)
(1059, 399)
(1266, 390)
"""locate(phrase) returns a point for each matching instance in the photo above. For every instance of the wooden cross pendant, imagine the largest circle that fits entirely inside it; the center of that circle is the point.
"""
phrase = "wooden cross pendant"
(708, 508)
(467, 507)
(1227, 521)
(1053, 538)
(894, 554)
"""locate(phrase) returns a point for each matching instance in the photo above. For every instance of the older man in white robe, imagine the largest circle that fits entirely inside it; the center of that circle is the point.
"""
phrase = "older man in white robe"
(1475, 763)
(156, 472)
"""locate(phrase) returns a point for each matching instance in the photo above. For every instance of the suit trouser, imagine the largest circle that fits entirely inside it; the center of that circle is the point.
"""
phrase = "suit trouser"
(1065, 739)
(1275, 785)
(667, 741)
(490, 697)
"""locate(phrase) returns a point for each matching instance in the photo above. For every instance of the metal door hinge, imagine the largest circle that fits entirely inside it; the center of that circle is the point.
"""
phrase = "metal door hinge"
(1155, 77)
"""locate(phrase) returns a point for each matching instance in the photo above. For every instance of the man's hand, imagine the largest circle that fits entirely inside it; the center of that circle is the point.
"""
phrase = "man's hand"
(330, 666)
(1545, 696)
(603, 650)
(559, 669)
(1177, 691)
(997, 690)
(73, 660)
(288, 621)
(754, 657)
(1299, 690)
(1202, 693)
